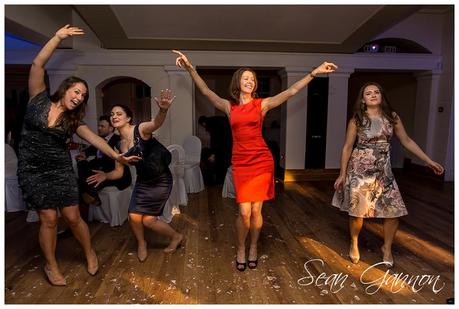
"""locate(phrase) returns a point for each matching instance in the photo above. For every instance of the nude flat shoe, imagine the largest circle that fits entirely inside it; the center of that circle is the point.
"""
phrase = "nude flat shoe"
(93, 270)
(354, 258)
(142, 253)
(52, 279)
(170, 249)
(388, 262)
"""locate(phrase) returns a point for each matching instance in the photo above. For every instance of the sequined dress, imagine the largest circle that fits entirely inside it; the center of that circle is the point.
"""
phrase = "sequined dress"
(45, 171)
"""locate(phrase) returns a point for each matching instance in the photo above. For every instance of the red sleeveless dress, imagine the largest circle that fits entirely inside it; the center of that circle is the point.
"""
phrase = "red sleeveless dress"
(253, 164)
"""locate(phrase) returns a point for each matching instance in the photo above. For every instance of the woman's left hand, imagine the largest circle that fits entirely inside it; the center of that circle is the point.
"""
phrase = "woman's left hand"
(165, 99)
(436, 167)
(326, 67)
(97, 178)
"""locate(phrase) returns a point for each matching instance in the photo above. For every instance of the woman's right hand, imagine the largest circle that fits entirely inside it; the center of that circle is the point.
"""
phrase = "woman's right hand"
(339, 183)
(182, 61)
(127, 160)
(67, 31)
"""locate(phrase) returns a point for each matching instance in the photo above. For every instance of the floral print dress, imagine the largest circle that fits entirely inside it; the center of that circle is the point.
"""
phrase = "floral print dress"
(370, 190)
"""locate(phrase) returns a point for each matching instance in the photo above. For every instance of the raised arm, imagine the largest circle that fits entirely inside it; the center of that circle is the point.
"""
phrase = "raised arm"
(220, 103)
(84, 132)
(273, 102)
(412, 147)
(351, 135)
(37, 69)
(165, 100)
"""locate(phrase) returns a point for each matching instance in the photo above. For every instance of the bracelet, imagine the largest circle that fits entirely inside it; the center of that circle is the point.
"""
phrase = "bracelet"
(163, 110)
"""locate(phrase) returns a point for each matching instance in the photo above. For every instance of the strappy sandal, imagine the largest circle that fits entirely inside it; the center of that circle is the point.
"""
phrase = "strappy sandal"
(241, 264)
(252, 264)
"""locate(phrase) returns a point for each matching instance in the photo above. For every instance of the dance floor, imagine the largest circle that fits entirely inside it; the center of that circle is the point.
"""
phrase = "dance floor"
(302, 255)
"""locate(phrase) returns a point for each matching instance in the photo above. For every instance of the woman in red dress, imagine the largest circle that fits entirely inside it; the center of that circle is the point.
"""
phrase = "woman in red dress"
(253, 165)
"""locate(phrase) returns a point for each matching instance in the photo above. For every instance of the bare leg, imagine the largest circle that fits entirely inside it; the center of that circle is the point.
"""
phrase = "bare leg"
(47, 237)
(80, 230)
(390, 228)
(135, 220)
(165, 229)
(242, 229)
(256, 222)
(355, 226)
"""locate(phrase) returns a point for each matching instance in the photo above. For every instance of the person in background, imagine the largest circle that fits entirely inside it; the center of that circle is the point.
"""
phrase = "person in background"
(102, 162)
(220, 143)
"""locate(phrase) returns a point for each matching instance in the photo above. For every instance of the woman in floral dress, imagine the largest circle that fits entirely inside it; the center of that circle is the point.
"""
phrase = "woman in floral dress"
(366, 187)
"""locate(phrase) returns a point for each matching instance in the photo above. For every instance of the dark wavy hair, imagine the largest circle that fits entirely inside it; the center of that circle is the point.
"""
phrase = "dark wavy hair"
(360, 114)
(127, 110)
(70, 119)
(235, 86)
(106, 118)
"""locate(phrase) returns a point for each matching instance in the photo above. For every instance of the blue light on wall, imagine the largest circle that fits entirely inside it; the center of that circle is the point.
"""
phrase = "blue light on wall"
(13, 42)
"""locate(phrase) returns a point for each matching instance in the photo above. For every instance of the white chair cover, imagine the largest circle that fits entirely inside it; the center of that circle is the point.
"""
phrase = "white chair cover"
(178, 194)
(228, 185)
(13, 194)
(193, 176)
(114, 204)
(32, 216)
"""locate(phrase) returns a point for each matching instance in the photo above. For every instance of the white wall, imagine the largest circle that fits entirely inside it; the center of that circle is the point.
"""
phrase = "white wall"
(424, 28)
(157, 69)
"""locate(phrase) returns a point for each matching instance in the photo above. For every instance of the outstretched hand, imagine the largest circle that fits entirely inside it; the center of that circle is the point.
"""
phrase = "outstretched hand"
(182, 61)
(67, 31)
(326, 67)
(165, 99)
(127, 160)
(97, 178)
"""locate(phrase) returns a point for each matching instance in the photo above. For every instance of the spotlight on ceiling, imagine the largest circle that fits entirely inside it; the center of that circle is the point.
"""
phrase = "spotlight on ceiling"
(371, 48)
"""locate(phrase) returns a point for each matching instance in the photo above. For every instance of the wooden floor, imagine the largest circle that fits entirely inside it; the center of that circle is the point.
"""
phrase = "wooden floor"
(300, 227)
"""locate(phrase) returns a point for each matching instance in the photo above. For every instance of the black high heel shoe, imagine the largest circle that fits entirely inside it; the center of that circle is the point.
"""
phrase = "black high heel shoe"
(252, 264)
(241, 264)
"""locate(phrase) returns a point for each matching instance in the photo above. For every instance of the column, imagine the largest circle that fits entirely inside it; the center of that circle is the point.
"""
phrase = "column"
(337, 116)
(181, 114)
(293, 126)
(425, 115)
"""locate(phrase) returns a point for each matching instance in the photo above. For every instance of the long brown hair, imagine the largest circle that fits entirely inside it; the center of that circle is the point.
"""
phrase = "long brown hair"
(70, 119)
(360, 114)
(235, 86)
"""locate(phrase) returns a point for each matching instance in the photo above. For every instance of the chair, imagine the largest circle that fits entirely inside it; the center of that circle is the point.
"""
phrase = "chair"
(193, 176)
(178, 172)
(114, 204)
(228, 185)
(13, 194)
(178, 194)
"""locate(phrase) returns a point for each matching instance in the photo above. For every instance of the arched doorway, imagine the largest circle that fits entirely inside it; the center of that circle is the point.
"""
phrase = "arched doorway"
(128, 91)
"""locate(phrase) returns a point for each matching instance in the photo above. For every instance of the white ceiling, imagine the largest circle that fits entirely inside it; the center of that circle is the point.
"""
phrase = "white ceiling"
(282, 28)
